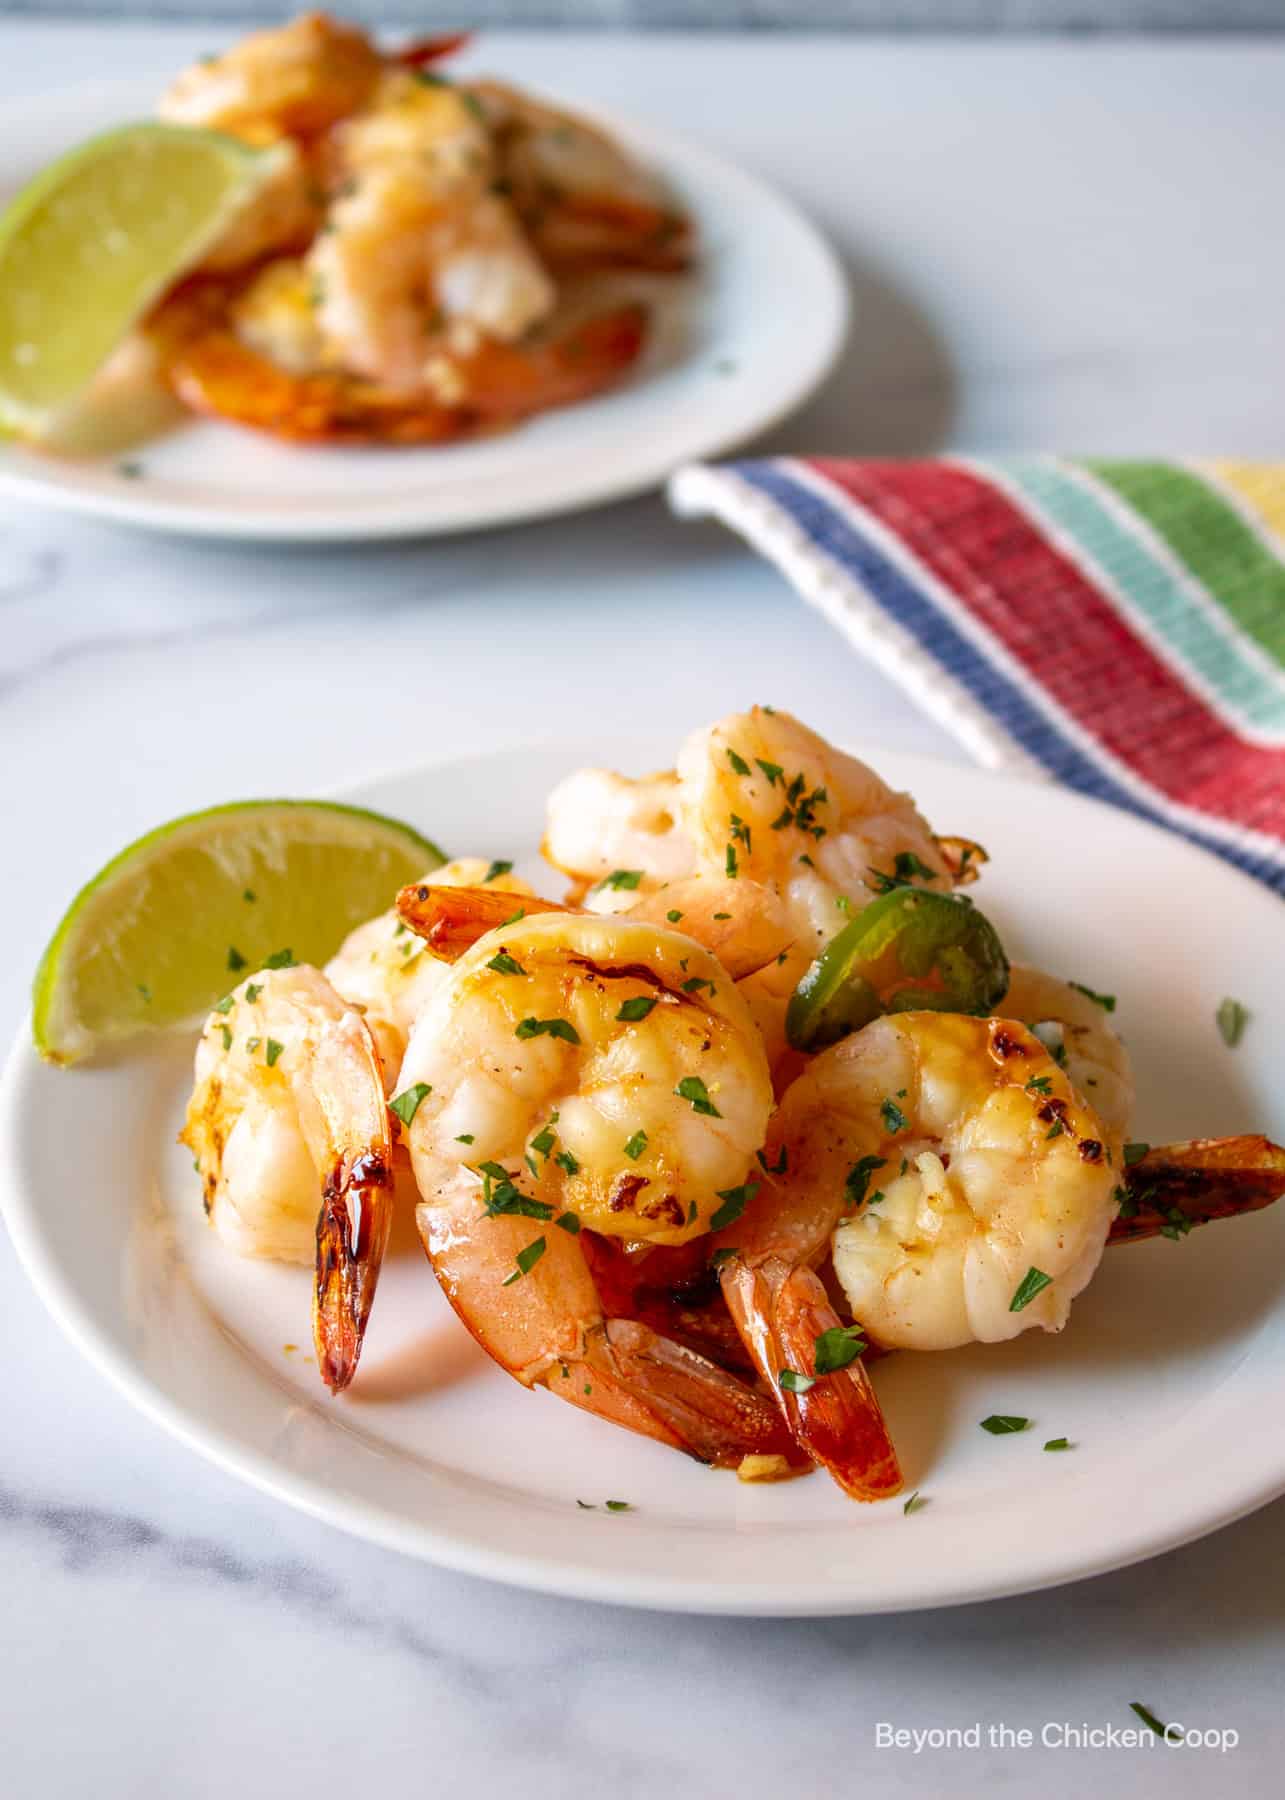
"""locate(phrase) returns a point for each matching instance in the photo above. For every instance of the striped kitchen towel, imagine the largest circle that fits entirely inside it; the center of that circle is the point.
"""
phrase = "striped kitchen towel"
(1119, 626)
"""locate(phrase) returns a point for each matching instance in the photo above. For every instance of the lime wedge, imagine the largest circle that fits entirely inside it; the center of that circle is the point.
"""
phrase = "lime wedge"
(95, 239)
(175, 920)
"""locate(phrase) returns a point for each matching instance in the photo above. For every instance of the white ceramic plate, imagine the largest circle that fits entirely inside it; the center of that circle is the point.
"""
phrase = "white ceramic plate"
(1170, 1379)
(735, 347)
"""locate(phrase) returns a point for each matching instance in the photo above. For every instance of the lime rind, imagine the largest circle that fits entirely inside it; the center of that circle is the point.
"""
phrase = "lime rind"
(119, 962)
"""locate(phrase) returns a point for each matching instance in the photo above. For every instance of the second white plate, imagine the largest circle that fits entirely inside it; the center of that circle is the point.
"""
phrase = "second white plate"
(735, 347)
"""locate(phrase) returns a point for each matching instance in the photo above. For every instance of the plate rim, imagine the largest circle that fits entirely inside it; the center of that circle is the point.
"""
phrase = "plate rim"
(1263, 1479)
(830, 322)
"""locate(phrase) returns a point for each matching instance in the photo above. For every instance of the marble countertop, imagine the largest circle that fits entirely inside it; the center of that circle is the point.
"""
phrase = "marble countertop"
(1051, 245)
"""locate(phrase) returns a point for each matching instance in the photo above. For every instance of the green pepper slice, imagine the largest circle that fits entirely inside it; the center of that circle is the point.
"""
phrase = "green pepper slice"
(908, 951)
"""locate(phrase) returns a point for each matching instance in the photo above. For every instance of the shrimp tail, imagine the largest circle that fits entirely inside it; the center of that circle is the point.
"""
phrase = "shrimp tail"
(357, 1202)
(637, 1378)
(452, 919)
(1177, 1186)
(422, 51)
(781, 1308)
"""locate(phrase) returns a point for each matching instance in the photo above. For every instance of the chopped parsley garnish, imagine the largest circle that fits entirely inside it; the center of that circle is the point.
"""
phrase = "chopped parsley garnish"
(235, 959)
(772, 770)
(914, 1503)
(794, 1383)
(1170, 1733)
(1001, 1424)
(1232, 1019)
(526, 1261)
(628, 879)
(739, 764)
(497, 868)
(280, 959)
(1039, 1084)
(735, 1200)
(619, 1506)
(673, 915)
(272, 1050)
(465, 1137)
(227, 1036)
(226, 1004)
(1055, 1130)
(731, 865)
(693, 1212)
(253, 990)
(569, 1221)
(512, 919)
(858, 1178)
(500, 1195)
(779, 1167)
(1176, 1224)
(145, 992)
(836, 1348)
(249, 896)
(722, 915)
(893, 1118)
(542, 1142)
(1032, 1283)
(1134, 1153)
(565, 1160)
(721, 1256)
(503, 964)
(1058, 1444)
(694, 983)
(1105, 1001)
(409, 1101)
(740, 831)
(251, 1045)
(906, 867)
(636, 1145)
(558, 1028)
(692, 1089)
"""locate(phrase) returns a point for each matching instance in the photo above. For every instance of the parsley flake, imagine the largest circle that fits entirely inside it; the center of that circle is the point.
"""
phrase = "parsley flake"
(272, 1050)
(1232, 1019)
(565, 1160)
(1002, 1424)
(503, 964)
(893, 1118)
(735, 1200)
(497, 868)
(226, 1004)
(1134, 1153)
(673, 915)
(253, 990)
(1039, 1084)
(731, 865)
(619, 879)
(526, 1261)
(1055, 1130)
(1032, 1283)
(636, 1145)
(569, 1221)
(280, 959)
(227, 1036)
(692, 1089)
(1170, 1733)
(694, 983)
(794, 1383)
(409, 1101)
(619, 1506)
(915, 1502)
(235, 959)
(739, 764)
(779, 1167)
(858, 1179)
(465, 1137)
(557, 1028)
(772, 770)
(1058, 1444)
(836, 1348)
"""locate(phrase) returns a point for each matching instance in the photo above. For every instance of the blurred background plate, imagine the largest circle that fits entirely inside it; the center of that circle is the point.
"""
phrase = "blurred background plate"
(735, 347)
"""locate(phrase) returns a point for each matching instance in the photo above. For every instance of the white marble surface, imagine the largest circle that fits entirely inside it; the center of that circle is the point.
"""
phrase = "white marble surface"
(1064, 246)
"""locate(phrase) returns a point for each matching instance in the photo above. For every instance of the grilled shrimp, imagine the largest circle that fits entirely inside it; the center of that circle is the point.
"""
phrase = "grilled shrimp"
(586, 204)
(292, 81)
(580, 1073)
(1075, 1027)
(289, 1128)
(385, 968)
(958, 1161)
(598, 822)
